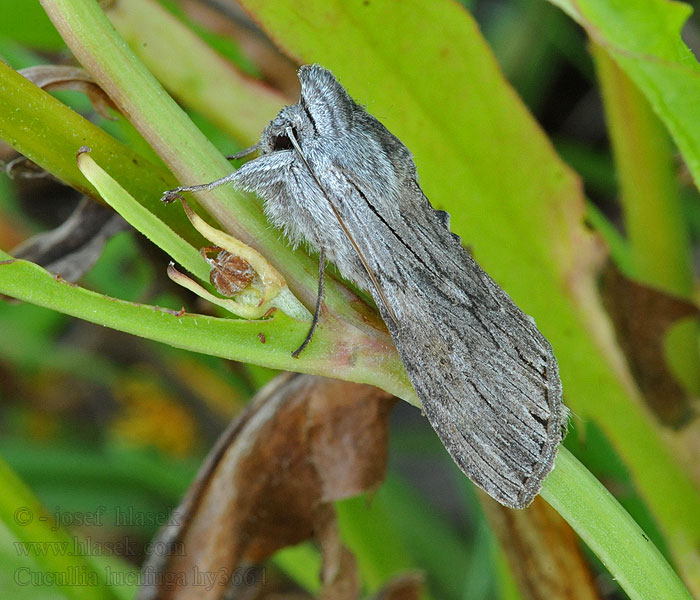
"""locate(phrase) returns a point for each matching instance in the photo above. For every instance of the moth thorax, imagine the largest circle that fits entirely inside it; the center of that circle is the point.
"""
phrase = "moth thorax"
(229, 274)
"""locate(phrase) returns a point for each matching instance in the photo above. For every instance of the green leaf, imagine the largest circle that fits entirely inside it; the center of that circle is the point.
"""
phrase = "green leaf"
(446, 557)
(644, 38)
(35, 533)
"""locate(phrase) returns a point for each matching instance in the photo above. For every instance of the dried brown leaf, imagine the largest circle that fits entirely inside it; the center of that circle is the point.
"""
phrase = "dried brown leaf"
(542, 550)
(73, 248)
(642, 315)
(404, 587)
(339, 570)
(267, 484)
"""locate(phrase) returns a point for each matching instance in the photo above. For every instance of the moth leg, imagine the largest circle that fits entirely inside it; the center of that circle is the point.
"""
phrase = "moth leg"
(317, 310)
(171, 195)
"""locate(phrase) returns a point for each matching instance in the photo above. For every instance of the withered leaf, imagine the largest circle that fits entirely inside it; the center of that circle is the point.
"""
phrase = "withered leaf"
(268, 483)
(403, 587)
(73, 247)
(642, 315)
(23, 168)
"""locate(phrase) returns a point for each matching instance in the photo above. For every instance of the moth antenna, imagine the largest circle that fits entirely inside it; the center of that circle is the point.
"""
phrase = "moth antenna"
(363, 260)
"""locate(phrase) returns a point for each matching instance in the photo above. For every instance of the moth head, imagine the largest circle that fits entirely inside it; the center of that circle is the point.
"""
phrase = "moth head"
(324, 110)
(275, 138)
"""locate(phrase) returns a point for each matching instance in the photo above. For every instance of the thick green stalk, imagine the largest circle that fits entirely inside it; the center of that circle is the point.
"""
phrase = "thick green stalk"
(196, 74)
(658, 239)
(610, 532)
(267, 342)
(654, 221)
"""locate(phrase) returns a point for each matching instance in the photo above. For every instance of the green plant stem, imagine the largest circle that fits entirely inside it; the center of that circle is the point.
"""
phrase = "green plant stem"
(654, 223)
(619, 249)
(198, 75)
(234, 339)
(610, 532)
(644, 39)
(658, 239)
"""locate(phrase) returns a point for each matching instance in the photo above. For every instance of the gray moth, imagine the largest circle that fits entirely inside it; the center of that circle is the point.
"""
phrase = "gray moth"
(332, 175)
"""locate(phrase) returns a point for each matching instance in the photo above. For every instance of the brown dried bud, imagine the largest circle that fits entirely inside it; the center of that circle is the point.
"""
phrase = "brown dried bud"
(230, 274)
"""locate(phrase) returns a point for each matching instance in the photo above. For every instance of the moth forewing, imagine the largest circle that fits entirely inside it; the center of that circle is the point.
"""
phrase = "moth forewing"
(487, 378)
